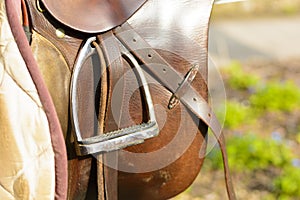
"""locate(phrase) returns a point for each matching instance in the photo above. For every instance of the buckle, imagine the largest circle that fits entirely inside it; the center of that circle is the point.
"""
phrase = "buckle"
(188, 79)
(117, 139)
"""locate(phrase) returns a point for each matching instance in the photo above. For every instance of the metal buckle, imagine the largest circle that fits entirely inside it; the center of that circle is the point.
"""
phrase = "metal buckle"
(118, 139)
(189, 77)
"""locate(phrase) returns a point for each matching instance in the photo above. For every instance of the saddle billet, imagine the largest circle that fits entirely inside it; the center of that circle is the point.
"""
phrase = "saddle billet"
(181, 88)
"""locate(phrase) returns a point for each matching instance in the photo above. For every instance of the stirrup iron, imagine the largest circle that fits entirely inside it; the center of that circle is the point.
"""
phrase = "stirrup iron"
(118, 139)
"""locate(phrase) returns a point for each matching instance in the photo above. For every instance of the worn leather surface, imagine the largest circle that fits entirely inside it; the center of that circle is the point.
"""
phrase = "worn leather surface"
(165, 25)
(55, 72)
(26, 154)
(92, 16)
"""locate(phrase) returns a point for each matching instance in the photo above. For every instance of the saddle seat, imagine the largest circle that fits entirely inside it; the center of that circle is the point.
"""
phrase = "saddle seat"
(92, 16)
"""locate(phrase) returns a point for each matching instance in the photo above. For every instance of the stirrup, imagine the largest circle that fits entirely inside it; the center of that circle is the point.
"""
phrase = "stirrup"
(118, 139)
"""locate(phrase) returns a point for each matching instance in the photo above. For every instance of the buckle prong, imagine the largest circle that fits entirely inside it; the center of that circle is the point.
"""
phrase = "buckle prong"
(180, 91)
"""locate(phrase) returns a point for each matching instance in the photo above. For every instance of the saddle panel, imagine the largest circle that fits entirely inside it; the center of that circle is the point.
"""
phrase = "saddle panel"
(55, 71)
(57, 74)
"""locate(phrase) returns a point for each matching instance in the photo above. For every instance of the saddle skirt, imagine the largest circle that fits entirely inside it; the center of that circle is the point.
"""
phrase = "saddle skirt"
(128, 86)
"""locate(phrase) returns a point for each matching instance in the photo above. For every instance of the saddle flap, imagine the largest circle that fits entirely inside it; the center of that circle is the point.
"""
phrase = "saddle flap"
(92, 16)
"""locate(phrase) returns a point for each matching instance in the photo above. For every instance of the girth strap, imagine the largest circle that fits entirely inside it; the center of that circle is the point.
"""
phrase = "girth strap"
(171, 79)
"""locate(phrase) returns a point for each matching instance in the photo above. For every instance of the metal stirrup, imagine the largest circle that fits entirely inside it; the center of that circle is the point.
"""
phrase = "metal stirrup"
(118, 139)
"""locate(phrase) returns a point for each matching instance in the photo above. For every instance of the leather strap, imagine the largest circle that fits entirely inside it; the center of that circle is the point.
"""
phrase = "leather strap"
(171, 79)
(115, 70)
(101, 118)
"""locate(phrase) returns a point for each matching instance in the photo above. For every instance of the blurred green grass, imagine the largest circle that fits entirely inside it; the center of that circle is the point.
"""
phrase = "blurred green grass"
(262, 144)
(255, 148)
(256, 97)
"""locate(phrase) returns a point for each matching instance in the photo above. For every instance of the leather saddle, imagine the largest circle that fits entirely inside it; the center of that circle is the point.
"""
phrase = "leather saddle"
(129, 83)
(92, 16)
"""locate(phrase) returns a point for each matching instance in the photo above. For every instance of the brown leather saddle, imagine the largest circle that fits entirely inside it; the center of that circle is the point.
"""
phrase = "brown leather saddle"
(129, 83)
(92, 16)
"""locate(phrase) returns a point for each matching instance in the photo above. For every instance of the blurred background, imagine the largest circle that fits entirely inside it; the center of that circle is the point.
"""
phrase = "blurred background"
(254, 47)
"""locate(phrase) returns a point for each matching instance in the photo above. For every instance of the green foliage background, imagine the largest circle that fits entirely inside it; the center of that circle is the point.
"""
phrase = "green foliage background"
(252, 149)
